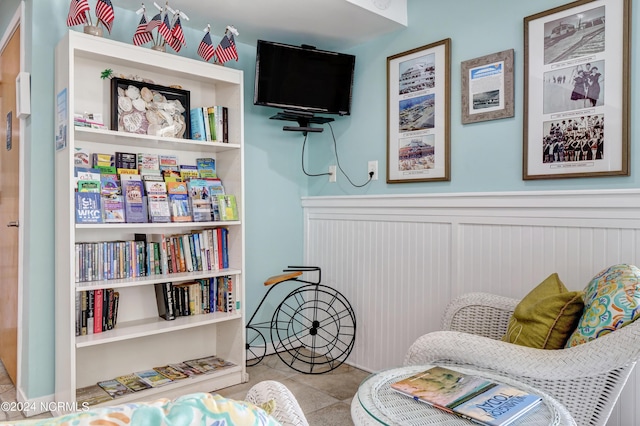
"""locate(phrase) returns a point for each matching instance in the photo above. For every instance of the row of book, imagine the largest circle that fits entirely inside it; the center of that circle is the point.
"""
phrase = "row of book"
(153, 254)
(149, 188)
(158, 376)
(96, 311)
(210, 123)
(202, 296)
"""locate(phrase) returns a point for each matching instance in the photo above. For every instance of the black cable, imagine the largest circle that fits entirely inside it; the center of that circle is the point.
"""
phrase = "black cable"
(305, 172)
(335, 148)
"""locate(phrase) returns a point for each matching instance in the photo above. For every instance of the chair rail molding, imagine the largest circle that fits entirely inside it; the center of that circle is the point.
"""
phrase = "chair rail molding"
(400, 259)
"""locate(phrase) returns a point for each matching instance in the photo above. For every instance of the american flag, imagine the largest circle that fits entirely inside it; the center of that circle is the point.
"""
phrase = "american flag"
(142, 36)
(206, 50)
(104, 12)
(226, 50)
(165, 29)
(77, 12)
(177, 36)
(154, 22)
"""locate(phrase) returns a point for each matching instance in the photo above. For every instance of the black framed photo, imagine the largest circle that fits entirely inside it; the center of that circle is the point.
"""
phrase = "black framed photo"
(149, 109)
(577, 97)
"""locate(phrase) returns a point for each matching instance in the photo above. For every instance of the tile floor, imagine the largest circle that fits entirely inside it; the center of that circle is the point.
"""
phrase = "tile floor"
(325, 398)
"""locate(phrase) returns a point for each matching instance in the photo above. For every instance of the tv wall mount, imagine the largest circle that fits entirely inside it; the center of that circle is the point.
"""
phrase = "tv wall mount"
(304, 120)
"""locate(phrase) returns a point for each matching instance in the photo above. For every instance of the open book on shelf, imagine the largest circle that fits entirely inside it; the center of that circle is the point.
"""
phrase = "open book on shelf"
(472, 397)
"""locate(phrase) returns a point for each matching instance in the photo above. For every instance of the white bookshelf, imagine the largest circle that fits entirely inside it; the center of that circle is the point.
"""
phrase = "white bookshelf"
(142, 340)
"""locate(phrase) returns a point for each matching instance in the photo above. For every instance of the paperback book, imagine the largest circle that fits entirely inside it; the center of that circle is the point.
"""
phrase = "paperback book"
(179, 202)
(114, 388)
(133, 202)
(171, 372)
(92, 395)
(133, 382)
(153, 378)
(472, 397)
(200, 202)
(227, 207)
(88, 207)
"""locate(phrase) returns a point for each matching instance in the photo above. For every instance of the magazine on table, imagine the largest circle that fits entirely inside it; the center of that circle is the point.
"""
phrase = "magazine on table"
(472, 397)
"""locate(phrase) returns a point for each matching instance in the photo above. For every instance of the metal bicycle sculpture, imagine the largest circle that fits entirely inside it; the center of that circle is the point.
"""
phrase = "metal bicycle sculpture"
(313, 329)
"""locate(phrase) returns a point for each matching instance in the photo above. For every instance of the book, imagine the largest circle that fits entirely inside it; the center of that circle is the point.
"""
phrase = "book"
(179, 202)
(171, 372)
(206, 167)
(113, 209)
(186, 369)
(168, 162)
(198, 131)
(102, 160)
(126, 160)
(227, 207)
(89, 185)
(472, 397)
(133, 382)
(114, 388)
(158, 201)
(92, 395)
(164, 300)
(153, 378)
(148, 161)
(199, 198)
(88, 207)
(133, 201)
(81, 157)
(207, 127)
(188, 172)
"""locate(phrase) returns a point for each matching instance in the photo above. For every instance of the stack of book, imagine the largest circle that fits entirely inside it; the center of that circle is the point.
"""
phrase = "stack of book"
(202, 296)
(471, 397)
(143, 187)
(158, 376)
(96, 311)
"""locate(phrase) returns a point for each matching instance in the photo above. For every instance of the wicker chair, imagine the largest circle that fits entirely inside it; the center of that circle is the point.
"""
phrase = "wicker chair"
(287, 411)
(586, 379)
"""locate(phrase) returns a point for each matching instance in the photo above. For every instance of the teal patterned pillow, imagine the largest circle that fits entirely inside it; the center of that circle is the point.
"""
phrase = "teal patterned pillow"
(611, 301)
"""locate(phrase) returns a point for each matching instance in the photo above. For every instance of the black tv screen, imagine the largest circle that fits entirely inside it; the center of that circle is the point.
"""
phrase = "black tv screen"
(303, 78)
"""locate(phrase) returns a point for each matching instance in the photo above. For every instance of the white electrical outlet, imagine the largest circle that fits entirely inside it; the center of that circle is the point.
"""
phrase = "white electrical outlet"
(373, 168)
(332, 176)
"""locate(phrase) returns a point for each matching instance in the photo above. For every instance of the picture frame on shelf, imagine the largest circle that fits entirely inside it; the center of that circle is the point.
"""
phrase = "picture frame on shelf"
(487, 87)
(151, 109)
(418, 114)
(573, 81)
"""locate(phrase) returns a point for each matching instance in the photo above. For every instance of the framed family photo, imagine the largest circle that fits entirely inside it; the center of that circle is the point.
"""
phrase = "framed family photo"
(487, 87)
(418, 114)
(576, 95)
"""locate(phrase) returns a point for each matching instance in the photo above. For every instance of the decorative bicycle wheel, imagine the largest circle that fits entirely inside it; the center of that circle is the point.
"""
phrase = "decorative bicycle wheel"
(256, 346)
(314, 329)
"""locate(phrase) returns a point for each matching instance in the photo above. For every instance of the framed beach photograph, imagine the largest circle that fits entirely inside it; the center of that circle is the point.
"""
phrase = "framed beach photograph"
(487, 87)
(576, 79)
(418, 114)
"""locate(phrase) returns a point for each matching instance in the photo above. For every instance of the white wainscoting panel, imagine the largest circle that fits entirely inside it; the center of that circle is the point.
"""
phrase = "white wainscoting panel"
(400, 259)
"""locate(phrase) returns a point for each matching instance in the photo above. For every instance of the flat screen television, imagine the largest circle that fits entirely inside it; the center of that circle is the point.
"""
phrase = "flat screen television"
(303, 78)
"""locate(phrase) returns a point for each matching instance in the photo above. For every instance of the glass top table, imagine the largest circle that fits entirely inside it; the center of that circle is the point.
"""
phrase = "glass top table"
(376, 403)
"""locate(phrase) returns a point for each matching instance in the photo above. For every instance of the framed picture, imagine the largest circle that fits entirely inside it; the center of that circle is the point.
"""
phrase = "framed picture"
(576, 79)
(487, 87)
(150, 109)
(418, 114)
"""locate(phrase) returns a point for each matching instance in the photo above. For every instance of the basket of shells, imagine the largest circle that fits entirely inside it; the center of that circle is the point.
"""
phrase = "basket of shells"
(150, 109)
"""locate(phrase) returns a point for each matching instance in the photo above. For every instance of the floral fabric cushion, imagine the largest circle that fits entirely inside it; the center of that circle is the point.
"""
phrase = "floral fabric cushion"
(546, 316)
(612, 300)
(187, 410)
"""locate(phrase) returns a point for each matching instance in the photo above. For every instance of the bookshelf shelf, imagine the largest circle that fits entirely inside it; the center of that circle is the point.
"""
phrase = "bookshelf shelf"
(141, 339)
(171, 225)
(113, 137)
(154, 279)
(150, 326)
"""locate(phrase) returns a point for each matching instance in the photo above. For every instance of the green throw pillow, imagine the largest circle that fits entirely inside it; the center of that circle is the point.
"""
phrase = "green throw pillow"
(546, 317)
(612, 300)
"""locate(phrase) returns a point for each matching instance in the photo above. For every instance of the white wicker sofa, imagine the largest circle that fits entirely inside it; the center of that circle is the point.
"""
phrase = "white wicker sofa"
(587, 379)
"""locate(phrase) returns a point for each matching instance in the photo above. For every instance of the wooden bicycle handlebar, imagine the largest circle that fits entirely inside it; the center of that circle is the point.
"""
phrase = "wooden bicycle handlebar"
(282, 277)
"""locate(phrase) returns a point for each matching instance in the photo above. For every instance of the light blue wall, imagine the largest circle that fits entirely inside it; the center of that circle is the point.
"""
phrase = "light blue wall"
(485, 156)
